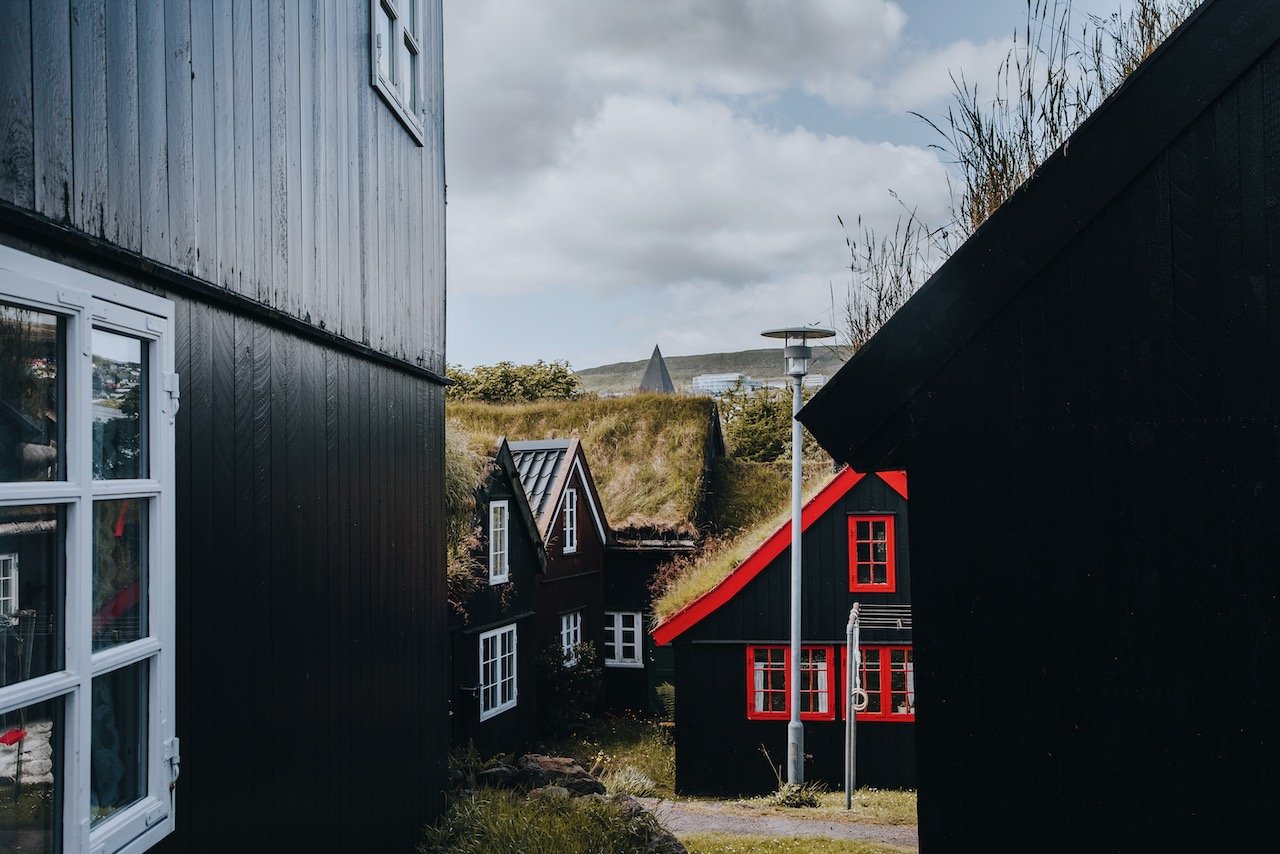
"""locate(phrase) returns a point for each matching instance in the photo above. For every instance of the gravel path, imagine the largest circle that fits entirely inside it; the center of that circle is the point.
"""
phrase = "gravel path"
(727, 817)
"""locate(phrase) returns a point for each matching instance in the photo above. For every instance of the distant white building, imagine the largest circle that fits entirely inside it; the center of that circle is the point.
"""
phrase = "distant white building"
(717, 384)
(814, 381)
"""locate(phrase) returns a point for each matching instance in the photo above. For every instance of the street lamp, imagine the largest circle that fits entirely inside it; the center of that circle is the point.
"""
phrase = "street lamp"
(798, 356)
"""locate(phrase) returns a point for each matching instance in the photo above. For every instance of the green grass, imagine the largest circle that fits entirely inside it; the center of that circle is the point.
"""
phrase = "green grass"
(724, 843)
(492, 821)
(618, 743)
(870, 806)
(647, 452)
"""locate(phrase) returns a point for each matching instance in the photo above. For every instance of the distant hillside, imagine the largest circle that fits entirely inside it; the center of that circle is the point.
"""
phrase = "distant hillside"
(763, 364)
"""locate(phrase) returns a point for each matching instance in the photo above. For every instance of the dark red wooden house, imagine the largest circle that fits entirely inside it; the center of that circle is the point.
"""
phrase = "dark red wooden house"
(494, 639)
(732, 649)
(1087, 396)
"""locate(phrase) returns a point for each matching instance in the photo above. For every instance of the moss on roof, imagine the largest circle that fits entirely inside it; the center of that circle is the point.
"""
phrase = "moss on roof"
(467, 459)
(647, 452)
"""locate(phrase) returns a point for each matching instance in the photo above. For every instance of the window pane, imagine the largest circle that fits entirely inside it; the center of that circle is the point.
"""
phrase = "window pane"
(30, 782)
(383, 22)
(408, 70)
(118, 749)
(119, 406)
(31, 395)
(119, 571)
(32, 588)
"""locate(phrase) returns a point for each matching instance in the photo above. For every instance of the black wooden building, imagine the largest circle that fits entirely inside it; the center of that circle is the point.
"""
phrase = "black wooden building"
(494, 640)
(1087, 396)
(222, 341)
(732, 654)
(571, 523)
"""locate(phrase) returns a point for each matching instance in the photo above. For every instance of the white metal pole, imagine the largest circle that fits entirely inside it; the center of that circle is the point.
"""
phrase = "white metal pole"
(850, 712)
(795, 731)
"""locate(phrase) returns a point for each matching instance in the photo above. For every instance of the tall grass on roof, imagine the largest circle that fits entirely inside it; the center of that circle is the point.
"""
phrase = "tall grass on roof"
(647, 452)
(686, 578)
(466, 466)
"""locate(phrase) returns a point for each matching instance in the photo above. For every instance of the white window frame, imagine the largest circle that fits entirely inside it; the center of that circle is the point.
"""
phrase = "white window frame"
(409, 108)
(570, 637)
(615, 639)
(85, 302)
(499, 541)
(9, 603)
(570, 521)
(500, 659)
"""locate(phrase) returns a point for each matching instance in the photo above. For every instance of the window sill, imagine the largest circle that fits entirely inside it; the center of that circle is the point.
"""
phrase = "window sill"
(633, 665)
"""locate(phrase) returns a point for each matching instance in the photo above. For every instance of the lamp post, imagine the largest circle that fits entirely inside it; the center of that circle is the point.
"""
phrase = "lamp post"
(797, 357)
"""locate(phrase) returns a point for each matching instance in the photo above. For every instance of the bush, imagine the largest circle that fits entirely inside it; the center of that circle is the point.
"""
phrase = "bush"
(797, 795)
(566, 691)
(491, 821)
(629, 780)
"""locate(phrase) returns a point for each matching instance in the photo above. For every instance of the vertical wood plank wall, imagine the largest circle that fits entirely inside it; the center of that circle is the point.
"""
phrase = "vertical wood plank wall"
(1104, 658)
(240, 143)
(312, 701)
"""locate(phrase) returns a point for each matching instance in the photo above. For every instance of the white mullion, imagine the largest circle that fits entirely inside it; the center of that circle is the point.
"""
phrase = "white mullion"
(114, 489)
(125, 654)
(37, 690)
(78, 724)
(44, 492)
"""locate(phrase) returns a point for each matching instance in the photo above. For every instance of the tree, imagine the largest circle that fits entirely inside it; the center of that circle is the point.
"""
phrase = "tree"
(507, 382)
(757, 425)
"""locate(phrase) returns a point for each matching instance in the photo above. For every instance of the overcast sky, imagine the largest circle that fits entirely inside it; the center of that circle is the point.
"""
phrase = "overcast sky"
(624, 173)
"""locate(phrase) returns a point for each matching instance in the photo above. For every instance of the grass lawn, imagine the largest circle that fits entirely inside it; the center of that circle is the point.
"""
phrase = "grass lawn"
(723, 843)
(615, 744)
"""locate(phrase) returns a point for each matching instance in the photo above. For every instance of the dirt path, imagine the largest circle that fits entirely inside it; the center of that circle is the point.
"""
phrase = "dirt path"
(727, 817)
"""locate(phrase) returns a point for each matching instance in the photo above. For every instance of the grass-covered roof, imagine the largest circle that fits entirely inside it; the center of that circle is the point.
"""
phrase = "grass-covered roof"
(647, 452)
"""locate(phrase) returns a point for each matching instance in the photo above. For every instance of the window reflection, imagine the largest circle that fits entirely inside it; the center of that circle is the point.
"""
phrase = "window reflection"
(118, 756)
(31, 592)
(31, 395)
(30, 782)
(119, 406)
(119, 571)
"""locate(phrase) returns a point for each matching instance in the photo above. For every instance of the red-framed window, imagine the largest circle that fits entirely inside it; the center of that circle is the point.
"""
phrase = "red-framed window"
(768, 691)
(872, 556)
(888, 677)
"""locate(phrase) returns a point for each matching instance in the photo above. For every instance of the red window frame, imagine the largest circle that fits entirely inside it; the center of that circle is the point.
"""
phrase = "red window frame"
(883, 682)
(778, 659)
(868, 557)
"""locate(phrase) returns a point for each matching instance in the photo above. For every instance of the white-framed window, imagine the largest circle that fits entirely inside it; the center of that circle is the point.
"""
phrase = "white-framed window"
(87, 400)
(622, 641)
(497, 671)
(499, 551)
(395, 29)
(570, 521)
(8, 590)
(570, 636)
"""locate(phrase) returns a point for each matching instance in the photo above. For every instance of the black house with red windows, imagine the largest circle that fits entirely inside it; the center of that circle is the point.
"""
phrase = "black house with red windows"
(1087, 396)
(732, 647)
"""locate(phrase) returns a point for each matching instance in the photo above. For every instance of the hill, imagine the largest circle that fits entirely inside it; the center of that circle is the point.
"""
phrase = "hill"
(763, 364)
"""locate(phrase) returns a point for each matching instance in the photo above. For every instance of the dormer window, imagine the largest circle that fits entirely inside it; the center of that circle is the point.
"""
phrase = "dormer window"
(499, 558)
(570, 521)
(871, 554)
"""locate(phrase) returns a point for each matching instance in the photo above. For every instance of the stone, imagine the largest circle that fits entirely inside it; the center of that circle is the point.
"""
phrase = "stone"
(497, 777)
(587, 785)
(551, 793)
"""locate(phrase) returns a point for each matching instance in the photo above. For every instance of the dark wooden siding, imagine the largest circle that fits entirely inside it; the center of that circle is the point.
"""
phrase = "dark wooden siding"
(240, 144)
(311, 691)
(718, 751)
(626, 577)
(492, 607)
(572, 581)
(1104, 662)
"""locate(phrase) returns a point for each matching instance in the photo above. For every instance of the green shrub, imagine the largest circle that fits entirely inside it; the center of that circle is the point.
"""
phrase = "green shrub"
(667, 700)
(629, 780)
(567, 687)
(796, 795)
(492, 821)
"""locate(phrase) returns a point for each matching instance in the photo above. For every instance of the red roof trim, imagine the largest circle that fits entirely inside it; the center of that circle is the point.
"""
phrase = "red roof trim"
(897, 480)
(684, 619)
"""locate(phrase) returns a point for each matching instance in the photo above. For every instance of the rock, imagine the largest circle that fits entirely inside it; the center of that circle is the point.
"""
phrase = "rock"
(537, 770)
(497, 777)
(586, 785)
(627, 805)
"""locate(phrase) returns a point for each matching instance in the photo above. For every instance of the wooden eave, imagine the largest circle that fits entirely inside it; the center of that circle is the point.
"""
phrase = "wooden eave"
(861, 415)
(502, 455)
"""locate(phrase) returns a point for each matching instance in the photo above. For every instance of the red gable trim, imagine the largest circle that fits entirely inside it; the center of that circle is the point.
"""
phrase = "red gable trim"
(778, 542)
(897, 480)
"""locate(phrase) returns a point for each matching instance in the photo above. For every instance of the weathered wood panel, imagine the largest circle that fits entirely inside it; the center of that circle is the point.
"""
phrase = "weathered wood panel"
(240, 143)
